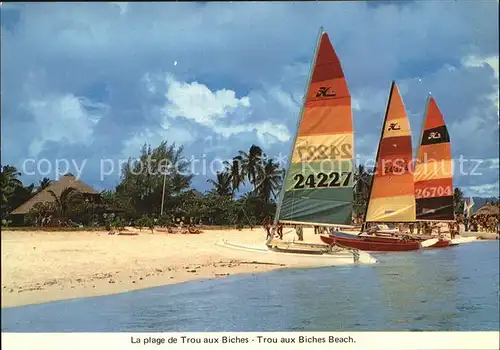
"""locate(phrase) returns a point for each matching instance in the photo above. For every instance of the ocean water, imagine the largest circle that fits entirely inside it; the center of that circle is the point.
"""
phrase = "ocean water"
(449, 289)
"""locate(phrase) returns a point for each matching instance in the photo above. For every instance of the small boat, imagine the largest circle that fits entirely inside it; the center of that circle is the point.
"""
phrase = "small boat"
(264, 255)
(298, 247)
(392, 192)
(368, 245)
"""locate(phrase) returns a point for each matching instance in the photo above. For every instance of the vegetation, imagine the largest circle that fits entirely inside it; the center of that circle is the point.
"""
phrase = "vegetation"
(244, 192)
(137, 198)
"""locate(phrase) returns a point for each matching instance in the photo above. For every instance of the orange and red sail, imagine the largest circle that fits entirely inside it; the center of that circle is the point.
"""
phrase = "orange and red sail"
(392, 194)
(433, 172)
(319, 180)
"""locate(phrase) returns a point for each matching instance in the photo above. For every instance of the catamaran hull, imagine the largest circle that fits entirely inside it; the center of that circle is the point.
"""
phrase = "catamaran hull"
(371, 245)
(442, 243)
(265, 255)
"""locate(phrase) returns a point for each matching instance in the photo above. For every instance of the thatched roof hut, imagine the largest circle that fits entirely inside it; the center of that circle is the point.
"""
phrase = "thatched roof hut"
(57, 187)
(487, 209)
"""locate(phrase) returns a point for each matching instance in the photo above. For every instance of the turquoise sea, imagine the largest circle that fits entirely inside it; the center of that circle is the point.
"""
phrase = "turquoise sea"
(450, 289)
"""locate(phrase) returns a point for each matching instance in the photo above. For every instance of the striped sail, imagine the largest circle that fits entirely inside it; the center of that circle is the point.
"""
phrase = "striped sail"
(433, 173)
(319, 182)
(392, 194)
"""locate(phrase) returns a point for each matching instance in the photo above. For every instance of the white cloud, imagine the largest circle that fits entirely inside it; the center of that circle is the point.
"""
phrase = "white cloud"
(487, 190)
(123, 7)
(475, 61)
(221, 110)
(64, 118)
(494, 163)
(492, 62)
(197, 102)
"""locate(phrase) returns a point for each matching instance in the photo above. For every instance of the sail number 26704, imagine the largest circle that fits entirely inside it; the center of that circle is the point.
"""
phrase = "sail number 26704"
(320, 180)
(430, 192)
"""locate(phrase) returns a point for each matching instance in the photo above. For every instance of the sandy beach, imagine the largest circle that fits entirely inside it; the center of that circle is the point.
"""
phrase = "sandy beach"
(46, 266)
(43, 266)
(40, 266)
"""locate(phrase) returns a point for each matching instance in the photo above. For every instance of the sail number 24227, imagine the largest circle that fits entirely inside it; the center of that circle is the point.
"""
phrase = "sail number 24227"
(319, 180)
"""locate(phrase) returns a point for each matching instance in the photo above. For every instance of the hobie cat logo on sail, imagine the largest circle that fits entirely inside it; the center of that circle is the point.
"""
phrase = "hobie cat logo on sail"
(434, 136)
(394, 126)
(324, 91)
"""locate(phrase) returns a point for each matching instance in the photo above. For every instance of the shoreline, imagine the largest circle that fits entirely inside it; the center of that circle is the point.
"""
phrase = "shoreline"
(48, 266)
(42, 266)
(100, 286)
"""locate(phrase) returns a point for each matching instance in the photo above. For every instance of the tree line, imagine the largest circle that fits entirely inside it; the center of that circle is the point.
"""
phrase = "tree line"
(138, 196)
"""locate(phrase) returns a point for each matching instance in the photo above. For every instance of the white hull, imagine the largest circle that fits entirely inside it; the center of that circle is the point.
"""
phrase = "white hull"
(262, 254)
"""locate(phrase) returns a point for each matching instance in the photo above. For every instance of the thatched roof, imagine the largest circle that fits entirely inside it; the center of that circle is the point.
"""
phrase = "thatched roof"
(488, 209)
(57, 187)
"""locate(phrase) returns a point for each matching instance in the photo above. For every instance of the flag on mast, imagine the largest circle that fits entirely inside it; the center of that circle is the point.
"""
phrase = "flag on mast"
(468, 204)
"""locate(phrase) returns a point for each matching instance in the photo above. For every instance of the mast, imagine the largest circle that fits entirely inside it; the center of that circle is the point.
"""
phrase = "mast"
(375, 169)
(306, 92)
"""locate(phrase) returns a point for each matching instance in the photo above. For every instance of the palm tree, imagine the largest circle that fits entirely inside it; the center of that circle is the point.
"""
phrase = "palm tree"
(9, 181)
(458, 200)
(65, 200)
(44, 183)
(251, 162)
(235, 171)
(222, 185)
(269, 180)
(362, 180)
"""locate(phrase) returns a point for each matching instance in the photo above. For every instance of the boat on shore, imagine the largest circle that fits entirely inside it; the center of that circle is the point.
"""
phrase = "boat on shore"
(392, 194)
(318, 183)
(334, 256)
(428, 193)
(372, 245)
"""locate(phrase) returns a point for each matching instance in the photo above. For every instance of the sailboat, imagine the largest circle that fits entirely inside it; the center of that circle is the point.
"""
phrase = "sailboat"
(317, 189)
(392, 191)
(433, 175)
(318, 184)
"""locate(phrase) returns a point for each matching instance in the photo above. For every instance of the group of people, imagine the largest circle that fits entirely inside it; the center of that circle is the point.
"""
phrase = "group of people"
(279, 230)
(267, 226)
(483, 222)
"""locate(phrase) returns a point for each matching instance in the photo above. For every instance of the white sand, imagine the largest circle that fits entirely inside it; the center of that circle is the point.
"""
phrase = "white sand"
(46, 266)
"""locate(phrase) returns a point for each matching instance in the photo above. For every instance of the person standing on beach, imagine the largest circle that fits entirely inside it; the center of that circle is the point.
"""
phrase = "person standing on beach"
(267, 226)
(300, 232)
(280, 230)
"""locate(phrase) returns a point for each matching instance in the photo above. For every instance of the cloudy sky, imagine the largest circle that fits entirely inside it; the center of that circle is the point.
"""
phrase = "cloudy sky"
(87, 82)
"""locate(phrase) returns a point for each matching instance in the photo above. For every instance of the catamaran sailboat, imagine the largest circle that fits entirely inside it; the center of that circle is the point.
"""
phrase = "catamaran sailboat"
(392, 192)
(318, 185)
(432, 182)
(319, 180)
